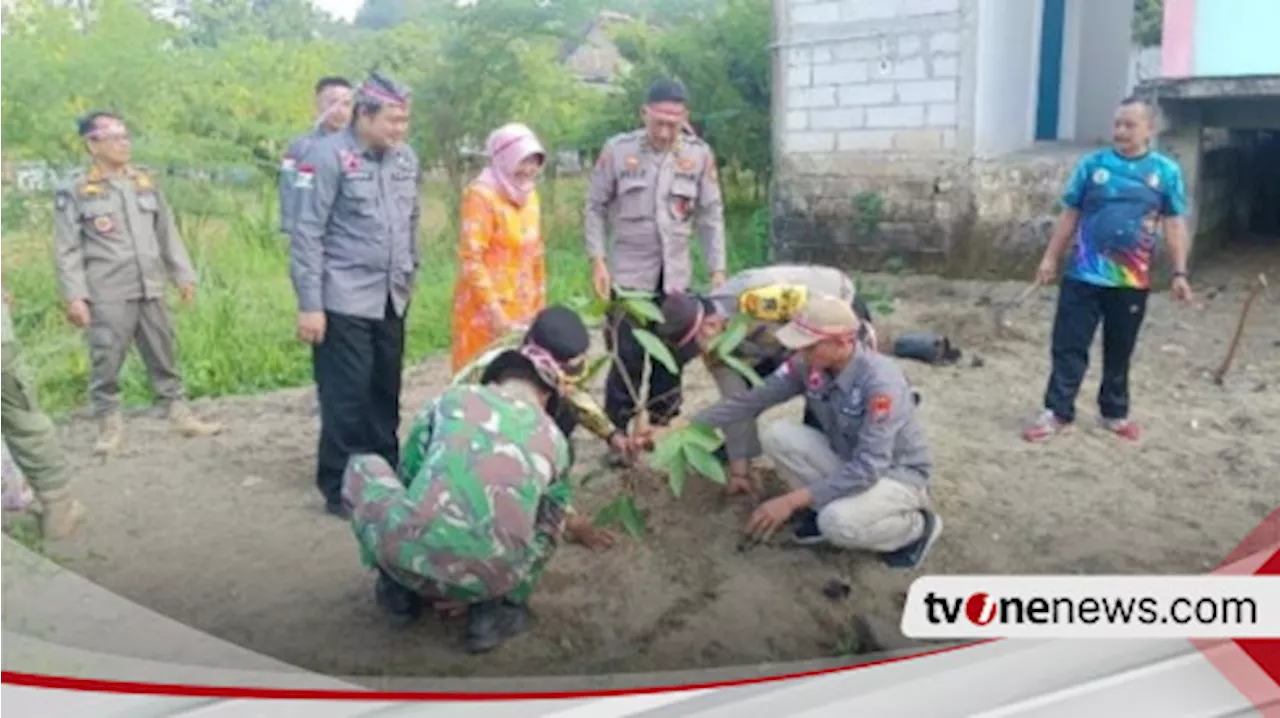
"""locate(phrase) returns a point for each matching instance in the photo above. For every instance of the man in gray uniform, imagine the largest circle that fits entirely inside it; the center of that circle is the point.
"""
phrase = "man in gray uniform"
(117, 246)
(333, 113)
(861, 481)
(656, 184)
(353, 260)
(769, 296)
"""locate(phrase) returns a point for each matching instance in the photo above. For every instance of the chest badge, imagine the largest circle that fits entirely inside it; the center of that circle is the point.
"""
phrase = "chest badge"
(631, 162)
(104, 224)
(350, 161)
(686, 164)
(1153, 181)
(1101, 176)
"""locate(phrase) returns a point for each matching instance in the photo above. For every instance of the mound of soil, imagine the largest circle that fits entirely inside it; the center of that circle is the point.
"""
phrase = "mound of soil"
(227, 534)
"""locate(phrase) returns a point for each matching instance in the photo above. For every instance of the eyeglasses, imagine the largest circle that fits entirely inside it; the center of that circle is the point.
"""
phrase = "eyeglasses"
(123, 136)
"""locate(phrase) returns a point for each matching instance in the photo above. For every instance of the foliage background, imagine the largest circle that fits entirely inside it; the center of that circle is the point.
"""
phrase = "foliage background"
(213, 89)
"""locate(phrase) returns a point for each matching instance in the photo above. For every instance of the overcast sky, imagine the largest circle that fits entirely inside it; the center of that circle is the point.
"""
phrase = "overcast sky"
(344, 9)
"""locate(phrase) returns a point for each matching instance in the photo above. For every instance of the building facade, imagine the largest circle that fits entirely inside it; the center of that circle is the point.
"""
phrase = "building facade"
(940, 132)
(1219, 97)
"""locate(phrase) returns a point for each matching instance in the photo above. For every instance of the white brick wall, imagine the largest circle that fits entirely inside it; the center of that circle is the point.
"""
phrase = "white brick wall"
(926, 91)
(895, 88)
(895, 116)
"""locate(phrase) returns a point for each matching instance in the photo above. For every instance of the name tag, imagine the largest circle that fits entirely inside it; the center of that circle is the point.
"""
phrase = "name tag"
(359, 176)
(687, 176)
(403, 176)
(634, 174)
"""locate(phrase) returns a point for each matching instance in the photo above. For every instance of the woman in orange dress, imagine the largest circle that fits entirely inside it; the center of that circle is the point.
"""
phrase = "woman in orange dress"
(501, 281)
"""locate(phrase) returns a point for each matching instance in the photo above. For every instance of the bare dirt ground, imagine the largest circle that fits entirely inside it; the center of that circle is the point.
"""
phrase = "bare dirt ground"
(227, 534)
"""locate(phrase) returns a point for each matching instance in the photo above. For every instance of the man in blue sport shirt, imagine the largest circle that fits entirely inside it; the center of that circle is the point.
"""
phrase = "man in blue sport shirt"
(1116, 204)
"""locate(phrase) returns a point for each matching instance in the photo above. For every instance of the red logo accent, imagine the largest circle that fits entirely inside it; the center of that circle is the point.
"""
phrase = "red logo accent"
(980, 609)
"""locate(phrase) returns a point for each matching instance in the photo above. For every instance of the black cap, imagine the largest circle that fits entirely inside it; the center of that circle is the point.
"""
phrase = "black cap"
(666, 90)
(560, 331)
(556, 331)
(680, 315)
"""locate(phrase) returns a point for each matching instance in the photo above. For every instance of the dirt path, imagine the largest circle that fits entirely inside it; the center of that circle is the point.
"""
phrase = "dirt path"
(227, 534)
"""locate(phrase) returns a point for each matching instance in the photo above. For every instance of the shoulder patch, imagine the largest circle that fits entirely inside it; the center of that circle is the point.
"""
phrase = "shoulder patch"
(881, 406)
(306, 176)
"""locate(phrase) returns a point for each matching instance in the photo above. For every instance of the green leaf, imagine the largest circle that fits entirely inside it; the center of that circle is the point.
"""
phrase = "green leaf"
(632, 520)
(733, 335)
(608, 514)
(676, 474)
(642, 310)
(657, 350)
(591, 309)
(666, 451)
(704, 435)
(634, 294)
(594, 367)
(705, 463)
(743, 368)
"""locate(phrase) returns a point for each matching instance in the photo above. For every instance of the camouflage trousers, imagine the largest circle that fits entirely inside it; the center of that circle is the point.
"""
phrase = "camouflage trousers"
(439, 553)
(29, 434)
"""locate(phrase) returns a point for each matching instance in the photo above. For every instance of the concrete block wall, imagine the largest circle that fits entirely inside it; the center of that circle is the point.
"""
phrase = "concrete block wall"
(871, 75)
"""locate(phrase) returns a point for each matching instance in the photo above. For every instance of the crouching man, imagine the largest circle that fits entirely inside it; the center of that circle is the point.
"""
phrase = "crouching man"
(556, 330)
(479, 504)
(860, 481)
(769, 296)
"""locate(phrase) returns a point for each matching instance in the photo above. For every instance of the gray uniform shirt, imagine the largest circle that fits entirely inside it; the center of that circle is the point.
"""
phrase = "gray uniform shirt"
(654, 200)
(866, 411)
(115, 238)
(354, 242)
(288, 175)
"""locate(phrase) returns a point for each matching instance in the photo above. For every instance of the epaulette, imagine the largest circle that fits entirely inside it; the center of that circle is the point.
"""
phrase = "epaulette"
(87, 182)
(630, 136)
(143, 176)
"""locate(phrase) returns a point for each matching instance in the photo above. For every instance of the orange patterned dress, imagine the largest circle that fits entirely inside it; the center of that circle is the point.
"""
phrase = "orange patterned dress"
(501, 261)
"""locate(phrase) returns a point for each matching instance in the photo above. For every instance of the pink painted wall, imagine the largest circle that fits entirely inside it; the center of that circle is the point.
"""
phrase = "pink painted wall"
(1177, 46)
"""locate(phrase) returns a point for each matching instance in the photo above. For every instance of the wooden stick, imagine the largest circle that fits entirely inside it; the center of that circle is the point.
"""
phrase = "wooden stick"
(1258, 289)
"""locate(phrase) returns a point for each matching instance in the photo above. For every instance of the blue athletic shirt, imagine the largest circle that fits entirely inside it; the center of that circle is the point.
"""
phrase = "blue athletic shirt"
(1121, 201)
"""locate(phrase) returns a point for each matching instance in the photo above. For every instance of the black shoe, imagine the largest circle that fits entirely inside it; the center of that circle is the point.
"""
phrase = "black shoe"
(912, 555)
(339, 509)
(404, 606)
(805, 530)
(489, 623)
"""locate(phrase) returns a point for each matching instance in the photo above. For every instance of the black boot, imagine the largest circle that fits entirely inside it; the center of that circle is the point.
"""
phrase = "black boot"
(489, 623)
(403, 605)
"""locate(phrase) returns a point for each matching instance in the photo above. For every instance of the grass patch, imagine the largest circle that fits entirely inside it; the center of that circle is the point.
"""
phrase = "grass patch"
(238, 337)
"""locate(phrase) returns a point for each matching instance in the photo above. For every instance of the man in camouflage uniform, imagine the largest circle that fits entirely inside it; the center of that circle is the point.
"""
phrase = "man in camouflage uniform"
(656, 185)
(769, 297)
(117, 245)
(32, 440)
(333, 113)
(554, 329)
(479, 503)
(860, 480)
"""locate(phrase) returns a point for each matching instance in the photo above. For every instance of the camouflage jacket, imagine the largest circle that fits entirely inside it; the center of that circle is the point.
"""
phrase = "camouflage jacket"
(579, 399)
(479, 501)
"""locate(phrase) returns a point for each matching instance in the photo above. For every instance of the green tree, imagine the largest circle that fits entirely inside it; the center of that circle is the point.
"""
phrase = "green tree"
(1148, 22)
(724, 61)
